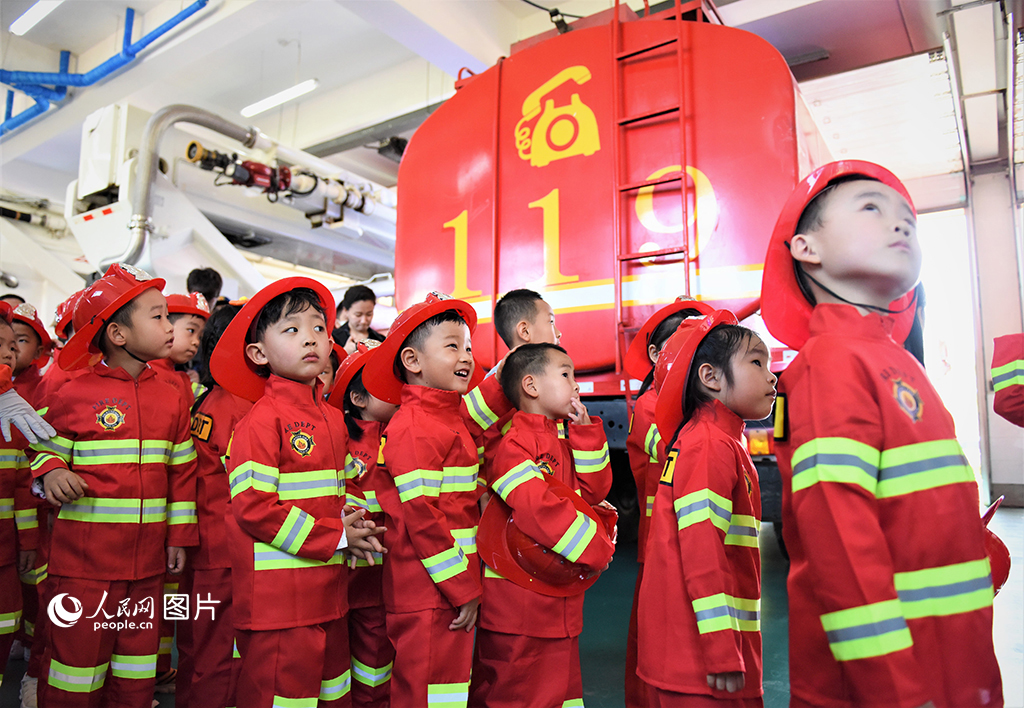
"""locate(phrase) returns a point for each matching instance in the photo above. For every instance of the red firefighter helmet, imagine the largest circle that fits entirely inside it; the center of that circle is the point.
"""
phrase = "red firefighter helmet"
(28, 315)
(785, 310)
(191, 304)
(637, 361)
(229, 354)
(6, 312)
(527, 563)
(63, 314)
(997, 552)
(380, 378)
(118, 286)
(349, 367)
(673, 368)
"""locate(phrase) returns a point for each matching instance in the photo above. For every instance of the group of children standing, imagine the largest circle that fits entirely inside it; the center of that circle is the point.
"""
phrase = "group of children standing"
(422, 534)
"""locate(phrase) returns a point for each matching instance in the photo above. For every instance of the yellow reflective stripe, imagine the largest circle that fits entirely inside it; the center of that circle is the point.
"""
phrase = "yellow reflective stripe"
(507, 427)
(253, 475)
(7, 508)
(293, 531)
(133, 667)
(489, 572)
(866, 631)
(466, 538)
(947, 590)
(156, 451)
(1011, 374)
(522, 472)
(11, 459)
(574, 541)
(308, 485)
(182, 453)
(650, 505)
(371, 675)
(447, 695)
(282, 702)
(651, 443)
(116, 511)
(703, 505)
(36, 575)
(372, 504)
(573, 703)
(24, 519)
(719, 612)
(266, 557)
(459, 479)
(182, 513)
(922, 466)
(590, 460)
(337, 687)
(419, 483)
(479, 410)
(76, 679)
(378, 558)
(743, 531)
(838, 460)
(44, 458)
(57, 445)
(9, 622)
(351, 468)
(446, 564)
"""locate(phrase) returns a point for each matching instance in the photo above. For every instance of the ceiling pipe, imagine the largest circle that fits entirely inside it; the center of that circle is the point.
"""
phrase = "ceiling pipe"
(40, 94)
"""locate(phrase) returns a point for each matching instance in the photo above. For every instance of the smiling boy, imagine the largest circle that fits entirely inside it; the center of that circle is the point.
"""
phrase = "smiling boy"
(890, 589)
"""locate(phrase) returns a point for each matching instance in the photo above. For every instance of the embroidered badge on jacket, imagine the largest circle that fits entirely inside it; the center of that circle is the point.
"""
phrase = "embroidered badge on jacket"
(302, 443)
(907, 398)
(110, 418)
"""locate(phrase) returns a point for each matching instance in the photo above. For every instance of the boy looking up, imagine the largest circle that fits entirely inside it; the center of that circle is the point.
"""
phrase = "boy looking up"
(121, 469)
(287, 528)
(430, 450)
(523, 317)
(890, 590)
(527, 650)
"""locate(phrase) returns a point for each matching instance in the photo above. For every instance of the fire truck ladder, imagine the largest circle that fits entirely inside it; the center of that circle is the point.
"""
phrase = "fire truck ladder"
(624, 123)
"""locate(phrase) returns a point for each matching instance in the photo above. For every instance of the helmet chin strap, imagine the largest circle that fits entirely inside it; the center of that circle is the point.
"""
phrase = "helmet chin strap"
(129, 353)
(913, 300)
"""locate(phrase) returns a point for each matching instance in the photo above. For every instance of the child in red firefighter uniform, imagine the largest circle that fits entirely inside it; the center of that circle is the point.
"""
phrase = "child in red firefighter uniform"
(373, 655)
(890, 593)
(527, 647)
(646, 451)
(122, 470)
(33, 346)
(699, 614)
(18, 526)
(54, 377)
(287, 529)
(432, 452)
(206, 669)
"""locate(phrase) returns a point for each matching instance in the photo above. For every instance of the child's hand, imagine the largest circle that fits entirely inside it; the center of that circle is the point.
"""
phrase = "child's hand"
(350, 344)
(730, 681)
(193, 376)
(579, 414)
(467, 616)
(26, 561)
(63, 486)
(361, 535)
(175, 560)
(501, 364)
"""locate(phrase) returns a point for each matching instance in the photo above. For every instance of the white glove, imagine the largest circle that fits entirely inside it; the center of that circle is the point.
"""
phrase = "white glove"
(15, 409)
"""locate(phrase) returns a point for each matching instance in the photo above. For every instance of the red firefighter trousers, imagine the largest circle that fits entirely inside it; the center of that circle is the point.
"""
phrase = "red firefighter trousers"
(513, 670)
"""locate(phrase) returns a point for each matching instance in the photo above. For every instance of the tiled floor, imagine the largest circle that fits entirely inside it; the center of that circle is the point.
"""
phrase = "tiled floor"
(602, 645)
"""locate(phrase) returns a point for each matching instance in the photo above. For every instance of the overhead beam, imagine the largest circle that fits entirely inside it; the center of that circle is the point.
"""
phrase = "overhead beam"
(380, 131)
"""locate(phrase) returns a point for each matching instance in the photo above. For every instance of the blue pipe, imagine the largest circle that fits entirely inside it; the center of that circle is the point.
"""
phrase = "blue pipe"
(41, 107)
(10, 106)
(40, 94)
(127, 55)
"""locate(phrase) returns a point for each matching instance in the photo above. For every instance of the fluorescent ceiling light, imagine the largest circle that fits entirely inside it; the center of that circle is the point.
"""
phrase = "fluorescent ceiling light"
(278, 98)
(33, 15)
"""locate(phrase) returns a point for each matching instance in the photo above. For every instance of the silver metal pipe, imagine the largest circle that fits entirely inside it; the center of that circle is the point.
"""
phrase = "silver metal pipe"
(141, 222)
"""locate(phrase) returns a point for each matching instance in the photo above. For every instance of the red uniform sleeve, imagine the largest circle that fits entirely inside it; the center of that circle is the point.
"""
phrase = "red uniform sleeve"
(414, 456)
(542, 515)
(48, 455)
(1008, 378)
(702, 490)
(254, 476)
(6, 383)
(182, 515)
(836, 440)
(483, 408)
(591, 460)
(26, 507)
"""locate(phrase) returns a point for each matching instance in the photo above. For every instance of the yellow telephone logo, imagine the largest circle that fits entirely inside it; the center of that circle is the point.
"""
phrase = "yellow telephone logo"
(559, 132)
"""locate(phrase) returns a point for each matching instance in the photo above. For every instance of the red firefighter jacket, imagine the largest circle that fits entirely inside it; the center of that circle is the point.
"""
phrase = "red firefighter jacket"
(431, 451)
(700, 598)
(5, 379)
(1008, 378)
(287, 473)
(129, 440)
(178, 379)
(213, 422)
(646, 452)
(19, 528)
(890, 593)
(365, 584)
(53, 379)
(577, 455)
(27, 385)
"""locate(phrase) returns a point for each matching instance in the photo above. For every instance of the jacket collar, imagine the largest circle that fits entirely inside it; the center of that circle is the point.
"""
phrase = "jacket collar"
(302, 394)
(370, 427)
(162, 365)
(846, 319)
(536, 423)
(431, 397)
(118, 373)
(29, 375)
(717, 414)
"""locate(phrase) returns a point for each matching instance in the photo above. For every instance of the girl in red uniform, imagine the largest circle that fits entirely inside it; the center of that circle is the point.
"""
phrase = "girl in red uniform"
(646, 451)
(699, 604)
